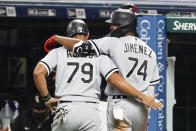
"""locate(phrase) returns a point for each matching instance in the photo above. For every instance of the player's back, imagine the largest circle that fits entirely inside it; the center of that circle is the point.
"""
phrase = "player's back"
(77, 78)
(135, 59)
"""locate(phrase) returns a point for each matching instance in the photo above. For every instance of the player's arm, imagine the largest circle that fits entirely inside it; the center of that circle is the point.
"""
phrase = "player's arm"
(76, 45)
(67, 42)
(110, 72)
(39, 76)
(120, 83)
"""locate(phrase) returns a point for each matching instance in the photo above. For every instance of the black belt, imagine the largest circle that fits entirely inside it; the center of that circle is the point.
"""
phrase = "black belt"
(119, 97)
(61, 101)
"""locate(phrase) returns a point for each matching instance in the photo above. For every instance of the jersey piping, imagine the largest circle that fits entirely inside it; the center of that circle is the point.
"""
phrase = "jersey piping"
(46, 65)
(95, 47)
(110, 72)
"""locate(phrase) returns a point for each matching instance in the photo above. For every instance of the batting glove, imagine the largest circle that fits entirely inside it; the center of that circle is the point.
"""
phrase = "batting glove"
(84, 49)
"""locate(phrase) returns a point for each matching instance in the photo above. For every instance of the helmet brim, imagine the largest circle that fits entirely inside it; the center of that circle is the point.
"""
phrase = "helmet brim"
(109, 21)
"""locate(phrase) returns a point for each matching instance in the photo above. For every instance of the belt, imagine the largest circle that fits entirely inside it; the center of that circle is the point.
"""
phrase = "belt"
(119, 97)
(62, 101)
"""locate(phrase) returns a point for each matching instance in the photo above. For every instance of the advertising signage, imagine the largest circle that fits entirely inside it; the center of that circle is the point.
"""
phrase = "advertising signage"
(151, 29)
(181, 25)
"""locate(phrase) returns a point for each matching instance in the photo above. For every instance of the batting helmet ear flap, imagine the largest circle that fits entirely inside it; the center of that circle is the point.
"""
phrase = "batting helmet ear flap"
(126, 21)
(122, 31)
(122, 17)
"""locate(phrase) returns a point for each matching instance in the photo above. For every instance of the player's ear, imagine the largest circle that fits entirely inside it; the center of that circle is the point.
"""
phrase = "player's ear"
(87, 36)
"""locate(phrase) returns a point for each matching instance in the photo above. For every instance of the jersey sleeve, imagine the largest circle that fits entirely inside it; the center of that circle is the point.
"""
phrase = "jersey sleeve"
(106, 66)
(50, 61)
(102, 45)
(155, 77)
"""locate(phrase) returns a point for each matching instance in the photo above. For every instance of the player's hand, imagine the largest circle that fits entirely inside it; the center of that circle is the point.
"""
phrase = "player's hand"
(51, 104)
(84, 49)
(50, 44)
(150, 101)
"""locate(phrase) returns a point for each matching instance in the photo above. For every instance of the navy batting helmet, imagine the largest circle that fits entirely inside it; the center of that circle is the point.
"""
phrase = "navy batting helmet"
(77, 27)
(126, 21)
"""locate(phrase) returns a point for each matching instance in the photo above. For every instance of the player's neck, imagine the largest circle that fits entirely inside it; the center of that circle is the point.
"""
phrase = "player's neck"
(130, 33)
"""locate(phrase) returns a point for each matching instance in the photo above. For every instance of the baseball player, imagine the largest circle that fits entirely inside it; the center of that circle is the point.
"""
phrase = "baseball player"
(137, 63)
(74, 31)
(103, 104)
(77, 83)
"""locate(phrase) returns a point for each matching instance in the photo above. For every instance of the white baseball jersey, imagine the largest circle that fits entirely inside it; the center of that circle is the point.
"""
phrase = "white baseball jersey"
(134, 58)
(77, 78)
